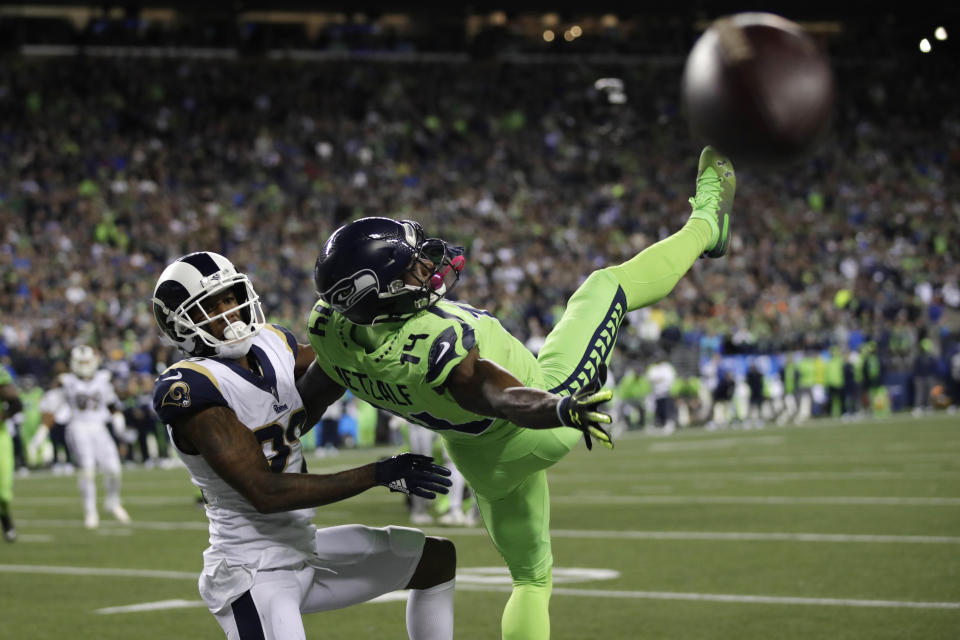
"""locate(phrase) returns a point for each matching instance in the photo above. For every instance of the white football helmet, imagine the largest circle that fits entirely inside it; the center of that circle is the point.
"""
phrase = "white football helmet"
(84, 361)
(178, 306)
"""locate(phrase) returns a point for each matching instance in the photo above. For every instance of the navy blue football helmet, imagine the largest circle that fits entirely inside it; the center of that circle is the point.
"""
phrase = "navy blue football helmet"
(361, 269)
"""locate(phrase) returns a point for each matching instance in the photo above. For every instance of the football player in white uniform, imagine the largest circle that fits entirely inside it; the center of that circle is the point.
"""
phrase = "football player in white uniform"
(88, 397)
(235, 416)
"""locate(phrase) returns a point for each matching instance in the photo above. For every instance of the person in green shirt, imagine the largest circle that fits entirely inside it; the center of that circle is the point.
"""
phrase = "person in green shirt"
(384, 330)
(10, 404)
(834, 379)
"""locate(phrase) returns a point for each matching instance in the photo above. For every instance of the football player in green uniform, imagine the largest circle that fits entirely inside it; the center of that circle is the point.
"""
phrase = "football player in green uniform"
(10, 404)
(383, 329)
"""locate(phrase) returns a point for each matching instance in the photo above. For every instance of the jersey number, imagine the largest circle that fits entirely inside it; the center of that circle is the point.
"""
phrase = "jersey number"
(280, 440)
(85, 402)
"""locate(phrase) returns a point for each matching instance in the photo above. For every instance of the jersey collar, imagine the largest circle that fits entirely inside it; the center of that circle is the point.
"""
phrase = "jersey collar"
(266, 383)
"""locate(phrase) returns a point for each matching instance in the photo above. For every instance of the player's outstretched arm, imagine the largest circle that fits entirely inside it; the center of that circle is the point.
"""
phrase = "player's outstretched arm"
(486, 388)
(235, 454)
(317, 390)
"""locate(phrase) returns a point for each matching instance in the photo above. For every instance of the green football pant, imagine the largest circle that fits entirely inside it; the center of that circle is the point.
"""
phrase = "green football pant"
(508, 475)
(6, 464)
(583, 339)
(509, 479)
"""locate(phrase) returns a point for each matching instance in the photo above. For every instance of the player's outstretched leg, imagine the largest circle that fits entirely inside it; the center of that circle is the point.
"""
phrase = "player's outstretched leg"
(519, 526)
(582, 341)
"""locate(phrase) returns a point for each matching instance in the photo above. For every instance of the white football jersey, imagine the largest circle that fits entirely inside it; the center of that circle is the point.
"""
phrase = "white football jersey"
(270, 406)
(662, 376)
(54, 403)
(88, 401)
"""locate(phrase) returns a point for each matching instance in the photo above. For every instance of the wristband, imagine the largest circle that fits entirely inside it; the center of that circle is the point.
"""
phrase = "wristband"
(562, 405)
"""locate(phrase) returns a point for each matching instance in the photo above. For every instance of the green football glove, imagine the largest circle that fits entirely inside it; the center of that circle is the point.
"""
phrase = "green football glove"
(580, 412)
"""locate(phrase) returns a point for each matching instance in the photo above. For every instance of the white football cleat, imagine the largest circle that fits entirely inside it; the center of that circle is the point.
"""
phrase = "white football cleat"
(421, 518)
(91, 521)
(453, 518)
(120, 514)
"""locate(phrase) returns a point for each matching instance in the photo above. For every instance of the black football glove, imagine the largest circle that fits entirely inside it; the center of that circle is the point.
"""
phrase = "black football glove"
(580, 412)
(411, 473)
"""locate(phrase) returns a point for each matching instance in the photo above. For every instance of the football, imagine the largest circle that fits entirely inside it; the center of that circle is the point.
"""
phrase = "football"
(757, 87)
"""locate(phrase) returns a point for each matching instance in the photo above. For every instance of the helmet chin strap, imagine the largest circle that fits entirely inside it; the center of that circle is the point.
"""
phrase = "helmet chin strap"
(240, 336)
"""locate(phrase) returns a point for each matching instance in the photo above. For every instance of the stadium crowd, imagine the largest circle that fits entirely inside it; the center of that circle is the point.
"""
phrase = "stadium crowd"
(113, 167)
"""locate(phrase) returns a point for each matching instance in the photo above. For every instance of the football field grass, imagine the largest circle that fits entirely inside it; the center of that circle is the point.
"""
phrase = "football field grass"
(839, 531)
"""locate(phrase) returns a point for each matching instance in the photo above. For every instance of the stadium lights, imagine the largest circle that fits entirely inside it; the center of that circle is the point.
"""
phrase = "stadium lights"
(549, 36)
(609, 21)
(925, 46)
(576, 31)
(940, 33)
(568, 36)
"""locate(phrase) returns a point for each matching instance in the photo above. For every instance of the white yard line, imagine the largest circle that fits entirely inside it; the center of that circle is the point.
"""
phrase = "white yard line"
(604, 498)
(75, 500)
(570, 533)
(95, 571)
(395, 596)
(153, 606)
(740, 460)
(741, 535)
(722, 597)
(586, 498)
(200, 525)
(734, 475)
(466, 586)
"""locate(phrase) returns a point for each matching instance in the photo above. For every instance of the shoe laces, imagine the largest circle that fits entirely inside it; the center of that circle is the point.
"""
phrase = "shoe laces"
(709, 190)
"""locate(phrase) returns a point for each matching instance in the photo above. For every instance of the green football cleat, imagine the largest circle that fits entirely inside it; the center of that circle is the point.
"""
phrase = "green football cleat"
(713, 202)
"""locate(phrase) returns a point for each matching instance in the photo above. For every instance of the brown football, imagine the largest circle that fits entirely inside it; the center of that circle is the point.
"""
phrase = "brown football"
(757, 87)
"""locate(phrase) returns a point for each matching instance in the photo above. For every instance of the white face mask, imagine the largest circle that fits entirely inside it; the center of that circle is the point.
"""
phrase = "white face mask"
(239, 337)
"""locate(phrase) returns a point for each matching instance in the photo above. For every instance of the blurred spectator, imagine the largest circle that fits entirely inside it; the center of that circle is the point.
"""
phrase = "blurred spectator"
(954, 382)
(924, 376)
(662, 375)
(722, 411)
(755, 381)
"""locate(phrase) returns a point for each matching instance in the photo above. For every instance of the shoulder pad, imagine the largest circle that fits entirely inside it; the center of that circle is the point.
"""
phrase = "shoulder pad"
(184, 389)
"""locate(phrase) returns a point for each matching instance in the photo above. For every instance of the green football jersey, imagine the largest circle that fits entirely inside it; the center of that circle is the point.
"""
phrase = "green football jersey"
(407, 374)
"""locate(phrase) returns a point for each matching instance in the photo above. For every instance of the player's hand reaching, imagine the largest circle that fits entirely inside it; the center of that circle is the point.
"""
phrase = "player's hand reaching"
(411, 473)
(580, 412)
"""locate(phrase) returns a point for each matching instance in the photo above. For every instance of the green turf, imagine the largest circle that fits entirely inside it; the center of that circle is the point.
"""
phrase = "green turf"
(703, 528)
